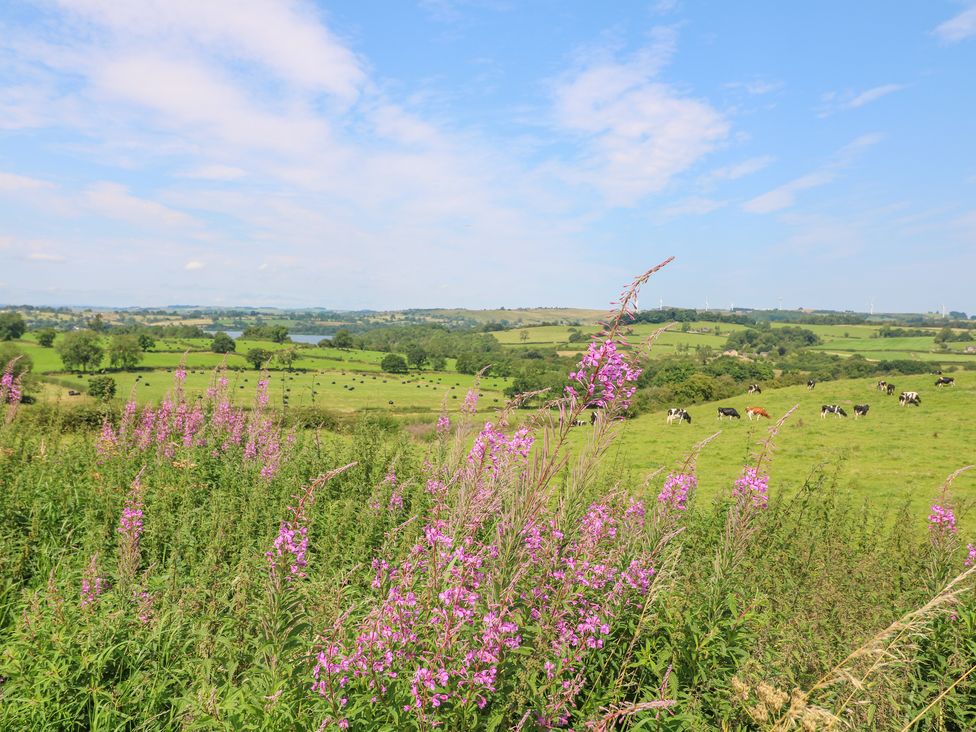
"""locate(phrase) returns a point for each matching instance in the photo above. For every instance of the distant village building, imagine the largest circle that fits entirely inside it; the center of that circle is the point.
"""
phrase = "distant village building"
(970, 349)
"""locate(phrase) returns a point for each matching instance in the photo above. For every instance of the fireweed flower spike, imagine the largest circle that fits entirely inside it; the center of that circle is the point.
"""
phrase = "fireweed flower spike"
(287, 556)
(92, 585)
(971, 556)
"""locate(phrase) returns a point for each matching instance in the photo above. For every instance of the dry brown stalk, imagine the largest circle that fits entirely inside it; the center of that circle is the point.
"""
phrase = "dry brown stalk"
(884, 649)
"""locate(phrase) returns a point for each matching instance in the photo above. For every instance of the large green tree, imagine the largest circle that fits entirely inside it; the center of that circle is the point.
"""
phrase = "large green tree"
(222, 343)
(342, 339)
(394, 364)
(12, 326)
(124, 352)
(257, 357)
(81, 349)
(46, 337)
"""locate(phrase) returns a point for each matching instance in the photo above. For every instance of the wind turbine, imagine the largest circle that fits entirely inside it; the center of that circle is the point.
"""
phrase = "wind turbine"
(706, 304)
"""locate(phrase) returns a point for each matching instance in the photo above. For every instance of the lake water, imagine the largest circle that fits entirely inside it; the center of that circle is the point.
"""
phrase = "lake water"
(296, 337)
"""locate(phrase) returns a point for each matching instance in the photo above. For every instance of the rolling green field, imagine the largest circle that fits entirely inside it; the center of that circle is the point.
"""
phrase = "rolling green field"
(894, 454)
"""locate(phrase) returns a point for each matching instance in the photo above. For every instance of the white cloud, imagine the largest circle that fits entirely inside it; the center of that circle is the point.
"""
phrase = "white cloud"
(784, 196)
(638, 132)
(694, 206)
(13, 183)
(756, 87)
(193, 264)
(871, 95)
(215, 172)
(841, 101)
(738, 170)
(115, 201)
(959, 27)
(286, 37)
(45, 257)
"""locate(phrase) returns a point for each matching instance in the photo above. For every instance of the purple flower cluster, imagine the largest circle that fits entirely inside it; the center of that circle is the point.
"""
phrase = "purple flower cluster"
(441, 629)
(942, 521)
(130, 529)
(213, 423)
(10, 389)
(443, 424)
(289, 549)
(92, 585)
(676, 491)
(470, 401)
(494, 450)
(971, 556)
(604, 377)
(144, 605)
(752, 486)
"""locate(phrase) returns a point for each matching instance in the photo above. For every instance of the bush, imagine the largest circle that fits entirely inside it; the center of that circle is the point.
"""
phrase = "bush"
(102, 387)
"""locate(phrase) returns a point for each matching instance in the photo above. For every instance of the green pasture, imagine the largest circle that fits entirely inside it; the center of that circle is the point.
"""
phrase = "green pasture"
(893, 455)
(341, 391)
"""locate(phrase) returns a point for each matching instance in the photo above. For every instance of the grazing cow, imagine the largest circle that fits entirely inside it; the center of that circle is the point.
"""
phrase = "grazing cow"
(757, 412)
(578, 423)
(889, 389)
(72, 392)
(860, 410)
(677, 415)
(728, 412)
(945, 381)
(811, 384)
(754, 389)
(832, 409)
(882, 385)
(593, 418)
(909, 397)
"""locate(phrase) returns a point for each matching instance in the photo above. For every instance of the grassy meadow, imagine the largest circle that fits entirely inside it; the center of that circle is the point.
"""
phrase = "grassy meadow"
(892, 456)
(194, 564)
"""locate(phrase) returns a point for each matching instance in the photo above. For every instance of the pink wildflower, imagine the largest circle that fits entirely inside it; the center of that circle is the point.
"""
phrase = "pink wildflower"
(604, 377)
(752, 486)
(942, 520)
(971, 558)
(674, 494)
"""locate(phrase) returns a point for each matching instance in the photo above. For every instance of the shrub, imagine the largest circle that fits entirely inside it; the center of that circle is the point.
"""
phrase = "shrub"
(102, 387)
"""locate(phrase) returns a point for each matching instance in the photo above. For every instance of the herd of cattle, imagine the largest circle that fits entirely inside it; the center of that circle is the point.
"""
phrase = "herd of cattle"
(906, 398)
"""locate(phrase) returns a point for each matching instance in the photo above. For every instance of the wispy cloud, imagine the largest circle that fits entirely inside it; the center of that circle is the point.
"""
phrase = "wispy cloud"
(737, 170)
(13, 183)
(756, 87)
(834, 102)
(45, 257)
(638, 132)
(693, 206)
(959, 27)
(115, 201)
(193, 264)
(784, 196)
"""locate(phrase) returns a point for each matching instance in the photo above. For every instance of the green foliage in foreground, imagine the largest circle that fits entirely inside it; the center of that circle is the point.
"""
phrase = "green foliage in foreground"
(197, 633)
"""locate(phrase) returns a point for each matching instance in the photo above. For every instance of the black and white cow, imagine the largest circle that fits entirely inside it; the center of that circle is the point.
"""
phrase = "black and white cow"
(677, 415)
(945, 381)
(860, 410)
(909, 397)
(882, 385)
(593, 417)
(578, 423)
(754, 389)
(811, 384)
(833, 409)
(889, 389)
(729, 412)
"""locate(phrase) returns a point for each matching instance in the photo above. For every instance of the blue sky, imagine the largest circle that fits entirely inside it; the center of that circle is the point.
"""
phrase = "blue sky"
(481, 153)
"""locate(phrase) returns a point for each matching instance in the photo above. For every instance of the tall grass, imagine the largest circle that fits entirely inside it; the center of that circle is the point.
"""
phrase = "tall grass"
(197, 569)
